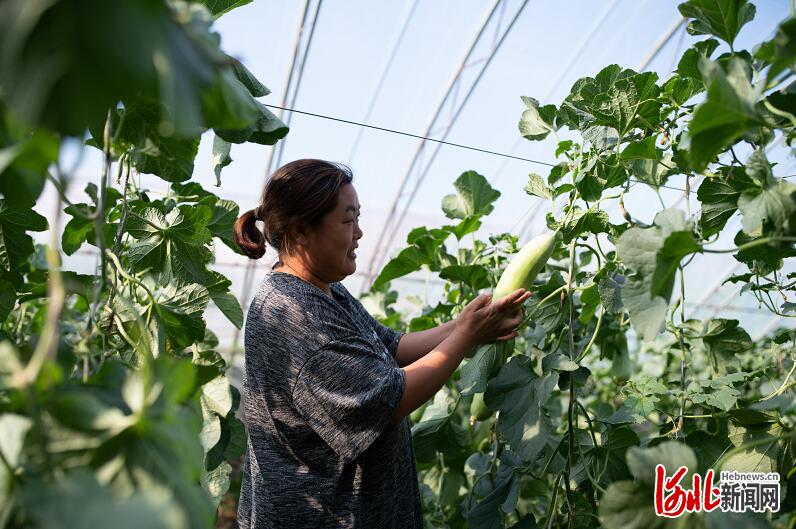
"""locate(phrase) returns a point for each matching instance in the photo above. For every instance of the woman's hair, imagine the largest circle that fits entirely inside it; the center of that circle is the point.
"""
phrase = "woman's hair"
(298, 194)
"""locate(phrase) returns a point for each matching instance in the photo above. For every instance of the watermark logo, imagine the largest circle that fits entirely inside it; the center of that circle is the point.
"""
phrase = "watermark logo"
(736, 492)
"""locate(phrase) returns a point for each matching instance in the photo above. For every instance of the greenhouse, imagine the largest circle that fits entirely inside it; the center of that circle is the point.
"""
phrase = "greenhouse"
(418, 264)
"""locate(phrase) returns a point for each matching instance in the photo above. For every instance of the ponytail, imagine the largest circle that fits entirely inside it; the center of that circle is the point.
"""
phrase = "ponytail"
(248, 236)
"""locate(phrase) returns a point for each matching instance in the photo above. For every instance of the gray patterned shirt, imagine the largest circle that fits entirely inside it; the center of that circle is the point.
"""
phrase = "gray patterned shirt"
(321, 384)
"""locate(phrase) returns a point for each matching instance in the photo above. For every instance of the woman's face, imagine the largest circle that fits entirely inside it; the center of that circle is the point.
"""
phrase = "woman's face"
(331, 246)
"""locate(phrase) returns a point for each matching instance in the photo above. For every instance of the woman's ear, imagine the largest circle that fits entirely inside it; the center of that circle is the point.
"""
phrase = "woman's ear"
(299, 234)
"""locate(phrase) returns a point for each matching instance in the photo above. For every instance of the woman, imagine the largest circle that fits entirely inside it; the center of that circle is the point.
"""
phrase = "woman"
(327, 388)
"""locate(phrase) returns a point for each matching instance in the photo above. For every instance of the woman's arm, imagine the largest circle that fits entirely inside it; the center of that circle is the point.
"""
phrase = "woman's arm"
(414, 345)
(479, 322)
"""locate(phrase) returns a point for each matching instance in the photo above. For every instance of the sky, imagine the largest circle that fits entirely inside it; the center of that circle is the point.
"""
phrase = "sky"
(549, 46)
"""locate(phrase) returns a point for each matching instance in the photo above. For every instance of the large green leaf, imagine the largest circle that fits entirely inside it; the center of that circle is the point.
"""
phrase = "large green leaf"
(477, 371)
(521, 396)
(437, 430)
(688, 66)
(503, 497)
(172, 242)
(773, 205)
(631, 102)
(119, 51)
(536, 187)
(15, 244)
(475, 196)
(722, 18)
(76, 500)
(24, 161)
(537, 121)
(724, 340)
(630, 504)
(719, 198)
(169, 157)
(727, 112)
(652, 255)
(180, 306)
(758, 448)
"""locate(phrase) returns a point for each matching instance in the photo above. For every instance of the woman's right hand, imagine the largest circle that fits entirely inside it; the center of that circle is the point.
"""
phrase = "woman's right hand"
(482, 321)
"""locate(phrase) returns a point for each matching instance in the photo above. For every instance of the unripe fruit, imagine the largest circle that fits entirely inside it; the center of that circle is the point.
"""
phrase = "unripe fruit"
(523, 267)
(478, 410)
(416, 415)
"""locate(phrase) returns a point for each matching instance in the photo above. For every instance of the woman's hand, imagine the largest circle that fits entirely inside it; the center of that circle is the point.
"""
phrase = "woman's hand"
(482, 321)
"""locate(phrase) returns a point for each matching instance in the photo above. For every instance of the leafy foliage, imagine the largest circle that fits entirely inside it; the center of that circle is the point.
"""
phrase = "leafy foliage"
(575, 421)
(113, 397)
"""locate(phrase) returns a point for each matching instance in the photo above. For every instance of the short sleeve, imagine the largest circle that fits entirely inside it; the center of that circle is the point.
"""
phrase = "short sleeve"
(388, 337)
(347, 393)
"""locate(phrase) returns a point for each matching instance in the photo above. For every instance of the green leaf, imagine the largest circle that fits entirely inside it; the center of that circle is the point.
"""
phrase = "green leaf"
(14, 428)
(220, 7)
(221, 157)
(724, 339)
(780, 51)
(224, 214)
(653, 254)
(76, 500)
(24, 162)
(169, 157)
(15, 244)
(264, 129)
(722, 18)
(675, 248)
(647, 314)
(719, 198)
(671, 454)
(590, 300)
(217, 395)
(681, 89)
(727, 112)
(773, 206)
(520, 396)
(758, 445)
(559, 362)
(630, 103)
(537, 121)
(436, 430)
(486, 513)
(537, 187)
(475, 196)
(467, 225)
(474, 276)
(610, 290)
(640, 150)
(217, 287)
(688, 66)
(477, 371)
(654, 172)
(628, 505)
(180, 306)
(408, 260)
(180, 234)
(216, 482)
(255, 87)
(591, 221)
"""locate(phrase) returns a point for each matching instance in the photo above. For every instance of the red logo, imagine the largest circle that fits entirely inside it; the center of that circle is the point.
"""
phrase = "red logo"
(671, 500)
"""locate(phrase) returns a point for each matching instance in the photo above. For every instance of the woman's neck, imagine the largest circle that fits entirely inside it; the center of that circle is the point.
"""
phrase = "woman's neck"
(297, 268)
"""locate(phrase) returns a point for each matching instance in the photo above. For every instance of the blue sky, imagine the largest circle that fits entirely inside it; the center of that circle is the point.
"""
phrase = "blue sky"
(551, 45)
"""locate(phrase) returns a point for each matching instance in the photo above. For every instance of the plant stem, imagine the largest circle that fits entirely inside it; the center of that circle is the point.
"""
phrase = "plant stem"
(752, 244)
(571, 405)
(593, 336)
